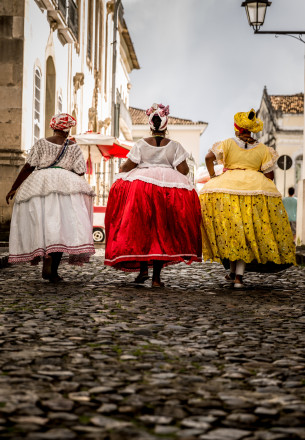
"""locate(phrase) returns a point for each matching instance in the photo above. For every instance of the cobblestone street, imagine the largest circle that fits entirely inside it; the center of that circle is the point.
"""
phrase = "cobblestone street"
(99, 358)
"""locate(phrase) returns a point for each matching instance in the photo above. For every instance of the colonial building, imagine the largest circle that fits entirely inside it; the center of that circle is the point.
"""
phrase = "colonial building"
(283, 117)
(185, 131)
(56, 56)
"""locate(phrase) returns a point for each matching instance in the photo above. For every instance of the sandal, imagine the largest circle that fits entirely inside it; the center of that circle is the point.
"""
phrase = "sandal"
(230, 277)
(157, 284)
(238, 282)
(55, 279)
(141, 278)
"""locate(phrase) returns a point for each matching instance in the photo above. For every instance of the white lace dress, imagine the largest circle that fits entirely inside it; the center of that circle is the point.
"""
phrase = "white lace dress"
(53, 209)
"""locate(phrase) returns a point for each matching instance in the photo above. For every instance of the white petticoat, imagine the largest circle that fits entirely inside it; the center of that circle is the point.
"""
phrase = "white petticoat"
(158, 175)
(52, 223)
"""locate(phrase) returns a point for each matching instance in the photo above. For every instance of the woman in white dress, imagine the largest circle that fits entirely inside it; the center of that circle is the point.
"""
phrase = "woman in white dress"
(53, 209)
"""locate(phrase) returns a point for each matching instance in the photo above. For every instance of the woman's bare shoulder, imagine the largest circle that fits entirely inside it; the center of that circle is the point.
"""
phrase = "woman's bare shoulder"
(152, 141)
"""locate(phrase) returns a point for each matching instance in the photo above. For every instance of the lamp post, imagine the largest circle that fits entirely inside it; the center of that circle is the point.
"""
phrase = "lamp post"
(256, 13)
(116, 6)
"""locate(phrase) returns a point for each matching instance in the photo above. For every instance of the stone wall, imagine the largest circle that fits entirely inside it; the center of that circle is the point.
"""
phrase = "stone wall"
(11, 73)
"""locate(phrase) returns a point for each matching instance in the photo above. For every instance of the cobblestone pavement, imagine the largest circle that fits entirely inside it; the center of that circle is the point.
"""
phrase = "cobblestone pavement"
(99, 358)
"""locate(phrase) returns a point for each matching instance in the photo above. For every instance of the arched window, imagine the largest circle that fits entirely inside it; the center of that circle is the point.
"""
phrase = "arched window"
(73, 129)
(90, 32)
(101, 39)
(59, 103)
(37, 105)
(298, 167)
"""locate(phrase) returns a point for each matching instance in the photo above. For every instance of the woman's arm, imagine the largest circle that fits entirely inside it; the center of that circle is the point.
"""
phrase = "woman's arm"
(183, 168)
(26, 170)
(209, 161)
(270, 175)
(127, 166)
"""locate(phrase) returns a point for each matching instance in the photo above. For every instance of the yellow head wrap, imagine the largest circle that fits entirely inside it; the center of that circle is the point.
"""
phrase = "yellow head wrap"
(248, 121)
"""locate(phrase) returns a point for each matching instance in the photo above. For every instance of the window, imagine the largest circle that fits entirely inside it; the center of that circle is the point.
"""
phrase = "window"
(97, 37)
(59, 104)
(73, 129)
(73, 18)
(298, 168)
(37, 104)
(90, 31)
(101, 39)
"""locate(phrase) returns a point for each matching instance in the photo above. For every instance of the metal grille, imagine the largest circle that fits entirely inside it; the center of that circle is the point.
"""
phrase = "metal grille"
(73, 18)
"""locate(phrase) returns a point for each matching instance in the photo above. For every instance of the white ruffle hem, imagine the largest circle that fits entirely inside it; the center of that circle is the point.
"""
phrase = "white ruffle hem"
(163, 176)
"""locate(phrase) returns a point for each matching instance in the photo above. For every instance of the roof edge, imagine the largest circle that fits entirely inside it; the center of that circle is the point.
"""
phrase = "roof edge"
(175, 117)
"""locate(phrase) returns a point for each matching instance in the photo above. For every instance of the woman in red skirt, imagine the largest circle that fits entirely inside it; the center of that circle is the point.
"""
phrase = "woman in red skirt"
(153, 212)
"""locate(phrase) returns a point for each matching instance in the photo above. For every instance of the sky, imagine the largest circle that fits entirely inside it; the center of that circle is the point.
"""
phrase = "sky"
(202, 58)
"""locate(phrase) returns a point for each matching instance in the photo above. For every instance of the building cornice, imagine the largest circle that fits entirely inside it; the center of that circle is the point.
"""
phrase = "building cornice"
(123, 29)
(289, 131)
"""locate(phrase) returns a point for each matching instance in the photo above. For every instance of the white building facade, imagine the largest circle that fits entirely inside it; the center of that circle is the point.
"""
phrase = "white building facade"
(283, 117)
(57, 57)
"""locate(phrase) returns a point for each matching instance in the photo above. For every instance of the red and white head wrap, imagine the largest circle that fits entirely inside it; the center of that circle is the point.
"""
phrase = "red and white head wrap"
(62, 121)
(162, 111)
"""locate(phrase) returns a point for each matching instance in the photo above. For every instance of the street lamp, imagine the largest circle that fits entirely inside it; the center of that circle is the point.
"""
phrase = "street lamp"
(256, 12)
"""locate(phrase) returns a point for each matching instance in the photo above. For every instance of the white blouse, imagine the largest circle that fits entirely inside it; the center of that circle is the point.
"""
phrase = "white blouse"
(146, 155)
(156, 165)
(43, 153)
(242, 144)
(62, 180)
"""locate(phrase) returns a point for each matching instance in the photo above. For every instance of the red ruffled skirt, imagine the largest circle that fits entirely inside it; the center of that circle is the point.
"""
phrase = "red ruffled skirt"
(146, 222)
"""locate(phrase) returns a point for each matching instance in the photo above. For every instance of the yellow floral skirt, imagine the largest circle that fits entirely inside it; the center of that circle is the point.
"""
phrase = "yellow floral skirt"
(246, 227)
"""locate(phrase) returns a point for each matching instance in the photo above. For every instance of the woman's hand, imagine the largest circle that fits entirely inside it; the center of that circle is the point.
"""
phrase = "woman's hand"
(26, 170)
(10, 195)
(269, 175)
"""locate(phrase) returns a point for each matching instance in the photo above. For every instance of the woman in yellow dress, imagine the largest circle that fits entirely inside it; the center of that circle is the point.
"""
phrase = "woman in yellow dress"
(244, 219)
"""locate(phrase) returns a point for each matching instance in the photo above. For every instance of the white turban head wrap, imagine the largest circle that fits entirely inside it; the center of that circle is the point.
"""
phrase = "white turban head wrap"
(162, 111)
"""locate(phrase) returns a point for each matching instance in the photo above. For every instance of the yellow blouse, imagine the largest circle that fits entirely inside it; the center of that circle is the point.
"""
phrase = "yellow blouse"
(245, 168)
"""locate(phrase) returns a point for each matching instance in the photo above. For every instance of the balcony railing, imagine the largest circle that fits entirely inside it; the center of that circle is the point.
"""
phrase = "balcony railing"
(65, 14)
